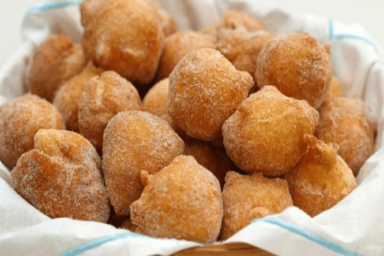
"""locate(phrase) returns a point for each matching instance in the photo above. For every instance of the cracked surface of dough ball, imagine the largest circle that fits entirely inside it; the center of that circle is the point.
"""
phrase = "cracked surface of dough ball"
(336, 89)
(297, 65)
(135, 141)
(67, 97)
(177, 46)
(204, 90)
(182, 201)
(20, 119)
(54, 62)
(124, 36)
(266, 133)
(350, 124)
(62, 177)
(246, 198)
(321, 179)
(103, 97)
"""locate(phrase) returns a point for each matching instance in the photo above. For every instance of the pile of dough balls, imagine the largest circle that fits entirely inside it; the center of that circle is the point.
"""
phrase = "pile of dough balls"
(182, 134)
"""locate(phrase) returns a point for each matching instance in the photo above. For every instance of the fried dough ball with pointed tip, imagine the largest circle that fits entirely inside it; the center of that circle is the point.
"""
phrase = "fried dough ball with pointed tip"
(53, 63)
(20, 119)
(62, 177)
(67, 97)
(297, 65)
(204, 90)
(336, 89)
(350, 124)
(167, 22)
(135, 141)
(103, 97)
(266, 133)
(246, 198)
(321, 179)
(176, 47)
(182, 201)
(124, 36)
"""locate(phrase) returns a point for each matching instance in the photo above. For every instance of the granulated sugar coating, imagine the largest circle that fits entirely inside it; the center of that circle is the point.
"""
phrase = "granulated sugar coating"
(124, 36)
(135, 141)
(350, 124)
(321, 179)
(182, 201)
(67, 97)
(20, 119)
(62, 177)
(246, 198)
(266, 133)
(177, 46)
(103, 97)
(155, 101)
(204, 90)
(54, 62)
(297, 65)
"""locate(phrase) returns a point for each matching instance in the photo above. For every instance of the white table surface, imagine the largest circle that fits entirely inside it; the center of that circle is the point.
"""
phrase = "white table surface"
(369, 13)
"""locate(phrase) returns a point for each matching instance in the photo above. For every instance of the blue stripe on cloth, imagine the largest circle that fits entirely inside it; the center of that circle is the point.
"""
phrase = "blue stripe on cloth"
(98, 242)
(50, 6)
(317, 239)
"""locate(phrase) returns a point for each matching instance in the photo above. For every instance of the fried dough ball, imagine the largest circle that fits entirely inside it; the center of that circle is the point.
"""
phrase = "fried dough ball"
(135, 141)
(350, 124)
(167, 22)
(215, 160)
(20, 119)
(236, 19)
(127, 224)
(103, 97)
(62, 177)
(246, 198)
(321, 179)
(266, 133)
(182, 201)
(177, 46)
(336, 89)
(124, 36)
(155, 101)
(204, 90)
(54, 62)
(229, 40)
(297, 65)
(67, 97)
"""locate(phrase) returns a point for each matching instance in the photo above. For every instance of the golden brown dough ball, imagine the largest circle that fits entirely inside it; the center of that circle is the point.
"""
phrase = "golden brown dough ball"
(167, 22)
(228, 41)
(321, 179)
(20, 119)
(103, 97)
(155, 101)
(204, 90)
(297, 65)
(246, 198)
(266, 133)
(135, 141)
(62, 177)
(54, 62)
(215, 160)
(124, 36)
(236, 19)
(350, 124)
(67, 97)
(176, 47)
(127, 224)
(336, 89)
(182, 201)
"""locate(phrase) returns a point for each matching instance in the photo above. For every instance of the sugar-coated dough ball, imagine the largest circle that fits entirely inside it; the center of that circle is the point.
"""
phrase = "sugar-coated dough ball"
(102, 98)
(204, 90)
(167, 22)
(350, 124)
(182, 201)
(236, 19)
(155, 101)
(246, 198)
(336, 89)
(266, 133)
(297, 65)
(124, 36)
(127, 224)
(321, 179)
(229, 40)
(177, 46)
(62, 177)
(67, 97)
(135, 141)
(20, 119)
(54, 62)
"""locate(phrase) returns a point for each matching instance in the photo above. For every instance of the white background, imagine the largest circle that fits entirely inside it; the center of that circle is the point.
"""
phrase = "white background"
(369, 13)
